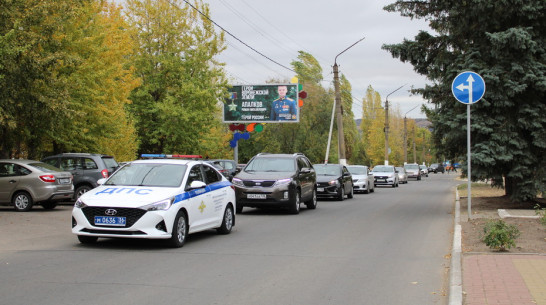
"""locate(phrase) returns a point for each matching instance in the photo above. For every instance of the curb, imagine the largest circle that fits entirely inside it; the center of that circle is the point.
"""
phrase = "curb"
(455, 274)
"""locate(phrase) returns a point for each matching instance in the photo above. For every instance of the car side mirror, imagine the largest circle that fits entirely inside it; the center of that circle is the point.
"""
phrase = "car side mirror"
(305, 170)
(196, 185)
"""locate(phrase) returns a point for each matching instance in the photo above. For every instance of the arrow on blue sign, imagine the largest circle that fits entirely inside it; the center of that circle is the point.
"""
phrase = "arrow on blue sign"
(468, 87)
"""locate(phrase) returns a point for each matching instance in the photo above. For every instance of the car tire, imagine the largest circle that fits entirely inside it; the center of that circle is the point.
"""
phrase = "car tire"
(312, 204)
(295, 206)
(341, 195)
(179, 231)
(22, 202)
(87, 239)
(227, 221)
(80, 190)
(49, 205)
(351, 193)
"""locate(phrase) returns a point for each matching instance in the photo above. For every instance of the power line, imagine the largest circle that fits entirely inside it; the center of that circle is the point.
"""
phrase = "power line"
(226, 31)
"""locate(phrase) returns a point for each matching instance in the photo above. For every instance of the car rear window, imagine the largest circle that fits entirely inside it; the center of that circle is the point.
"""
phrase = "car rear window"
(44, 167)
(110, 162)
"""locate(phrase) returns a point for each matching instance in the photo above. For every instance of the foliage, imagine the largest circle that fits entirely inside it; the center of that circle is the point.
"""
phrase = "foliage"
(62, 66)
(505, 43)
(176, 105)
(499, 235)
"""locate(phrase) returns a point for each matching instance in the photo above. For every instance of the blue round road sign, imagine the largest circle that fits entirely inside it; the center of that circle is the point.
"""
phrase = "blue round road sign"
(468, 87)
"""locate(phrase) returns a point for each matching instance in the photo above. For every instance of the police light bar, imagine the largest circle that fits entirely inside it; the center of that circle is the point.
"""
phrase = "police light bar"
(171, 156)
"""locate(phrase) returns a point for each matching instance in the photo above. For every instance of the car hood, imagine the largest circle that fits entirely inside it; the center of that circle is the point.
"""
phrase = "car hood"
(324, 178)
(264, 175)
(126, 196)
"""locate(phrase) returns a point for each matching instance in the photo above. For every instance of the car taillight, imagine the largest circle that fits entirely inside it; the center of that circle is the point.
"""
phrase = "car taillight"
(104, 173)
(47, 178)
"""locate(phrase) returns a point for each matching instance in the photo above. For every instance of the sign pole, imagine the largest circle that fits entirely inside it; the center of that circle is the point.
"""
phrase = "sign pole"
(468, 159)
(468, 88)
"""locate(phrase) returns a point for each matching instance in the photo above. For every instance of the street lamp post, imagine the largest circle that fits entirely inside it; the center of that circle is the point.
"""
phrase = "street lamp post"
(406, 136)
(339, 114)
(387, 125)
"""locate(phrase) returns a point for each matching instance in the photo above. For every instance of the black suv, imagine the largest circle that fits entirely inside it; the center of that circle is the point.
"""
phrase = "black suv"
(86, 168)
(436, 167)
(276, 180)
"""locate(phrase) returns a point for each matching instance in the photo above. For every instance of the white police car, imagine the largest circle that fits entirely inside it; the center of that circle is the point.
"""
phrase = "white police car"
(156, 199)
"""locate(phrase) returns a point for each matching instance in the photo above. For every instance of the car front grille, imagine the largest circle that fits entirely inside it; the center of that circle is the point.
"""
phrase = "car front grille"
(381, 177)
(323, 184)
(131, 215)
(259, 183)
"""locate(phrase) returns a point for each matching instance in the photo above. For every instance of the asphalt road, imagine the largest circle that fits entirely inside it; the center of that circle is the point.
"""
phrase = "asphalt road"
(389, 247)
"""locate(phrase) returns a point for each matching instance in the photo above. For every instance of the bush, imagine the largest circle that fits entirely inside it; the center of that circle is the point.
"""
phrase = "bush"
(498, 235)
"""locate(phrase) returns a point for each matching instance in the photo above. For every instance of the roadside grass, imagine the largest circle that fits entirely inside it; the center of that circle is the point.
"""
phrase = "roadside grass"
(480, 189)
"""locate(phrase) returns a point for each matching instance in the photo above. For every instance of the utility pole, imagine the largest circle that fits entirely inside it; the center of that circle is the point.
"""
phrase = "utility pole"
(414, 150)
(406, 136)
(339, 111)
(387, 125)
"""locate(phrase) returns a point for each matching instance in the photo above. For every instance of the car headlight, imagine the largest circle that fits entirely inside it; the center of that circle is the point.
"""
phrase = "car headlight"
(237, 182)
(79, 204)
(157, 206)
(282, 182)
(333, 182)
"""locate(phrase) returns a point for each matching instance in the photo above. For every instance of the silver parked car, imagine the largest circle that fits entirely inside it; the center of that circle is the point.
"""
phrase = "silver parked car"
(362, 178)
(402, 175)
(24, 183)
(424, 170)
(413, 171)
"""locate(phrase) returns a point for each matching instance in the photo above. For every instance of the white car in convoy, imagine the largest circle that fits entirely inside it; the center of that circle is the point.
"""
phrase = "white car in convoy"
(363, 180)
(156, 199)
(385, 175)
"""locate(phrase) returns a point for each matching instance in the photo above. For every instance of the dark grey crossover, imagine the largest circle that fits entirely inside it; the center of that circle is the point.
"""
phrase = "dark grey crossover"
(276, 180)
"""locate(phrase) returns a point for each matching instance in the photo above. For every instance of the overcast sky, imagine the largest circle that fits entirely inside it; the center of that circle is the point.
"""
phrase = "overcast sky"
(324, 28)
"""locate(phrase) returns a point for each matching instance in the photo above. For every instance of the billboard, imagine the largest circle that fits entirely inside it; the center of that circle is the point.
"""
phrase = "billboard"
(262, 103)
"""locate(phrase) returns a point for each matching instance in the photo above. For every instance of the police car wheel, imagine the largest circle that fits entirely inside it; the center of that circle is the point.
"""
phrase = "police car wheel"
(180, 230)
(227, 222)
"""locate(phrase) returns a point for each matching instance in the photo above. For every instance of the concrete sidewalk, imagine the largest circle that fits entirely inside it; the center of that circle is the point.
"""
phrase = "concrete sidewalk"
(500, 279)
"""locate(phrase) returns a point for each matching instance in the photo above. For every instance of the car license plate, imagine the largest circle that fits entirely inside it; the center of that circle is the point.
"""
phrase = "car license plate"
(256, 196)
(320, 189)
(110, 221)
(64, 180)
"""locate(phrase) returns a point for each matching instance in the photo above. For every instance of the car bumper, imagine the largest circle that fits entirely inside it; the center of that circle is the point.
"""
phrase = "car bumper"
(360, 186)
(149, 225)
(258, 197)
(388, 181)
(329, 191)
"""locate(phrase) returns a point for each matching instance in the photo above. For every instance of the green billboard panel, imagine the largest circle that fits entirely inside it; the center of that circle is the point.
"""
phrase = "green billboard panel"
(262, 104)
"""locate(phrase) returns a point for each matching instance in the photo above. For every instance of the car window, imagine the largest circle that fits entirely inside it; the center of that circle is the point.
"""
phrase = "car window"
(6, 169)
(52, 161)
(149, 174)
(301, 164)
(89, 163)
(195, 174)
(70, 163)
(110, 162)
(411, 166)
(228, 165)
(211, 174)
(44, 167)
(271, 165)
(327, 170)
(383, 168)
(358, 170)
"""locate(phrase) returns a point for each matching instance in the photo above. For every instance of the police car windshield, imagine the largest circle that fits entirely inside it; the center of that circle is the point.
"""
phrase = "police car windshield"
(149, 174)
